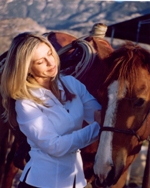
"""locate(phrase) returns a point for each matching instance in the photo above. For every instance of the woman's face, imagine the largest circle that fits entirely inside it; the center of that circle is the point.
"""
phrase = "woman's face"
(43, 64)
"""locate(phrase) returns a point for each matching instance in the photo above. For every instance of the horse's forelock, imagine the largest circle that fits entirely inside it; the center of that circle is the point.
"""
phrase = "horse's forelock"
(123, 65)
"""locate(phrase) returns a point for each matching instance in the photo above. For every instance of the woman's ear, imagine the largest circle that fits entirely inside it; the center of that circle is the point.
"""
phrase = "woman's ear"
(29, 74)
(30, 71)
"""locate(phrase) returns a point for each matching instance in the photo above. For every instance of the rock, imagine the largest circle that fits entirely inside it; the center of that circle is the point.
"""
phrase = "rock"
(12, 27)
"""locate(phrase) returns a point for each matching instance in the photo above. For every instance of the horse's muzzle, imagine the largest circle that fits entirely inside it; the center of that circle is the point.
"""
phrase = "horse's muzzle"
(108, 181)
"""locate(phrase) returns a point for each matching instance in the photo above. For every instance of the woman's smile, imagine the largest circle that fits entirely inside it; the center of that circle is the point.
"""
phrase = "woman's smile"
(52, 69)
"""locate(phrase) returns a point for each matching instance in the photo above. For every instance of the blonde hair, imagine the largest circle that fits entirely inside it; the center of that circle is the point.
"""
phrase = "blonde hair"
(15, 80)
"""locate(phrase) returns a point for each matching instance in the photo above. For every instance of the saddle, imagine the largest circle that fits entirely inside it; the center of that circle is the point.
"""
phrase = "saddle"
(79, 61)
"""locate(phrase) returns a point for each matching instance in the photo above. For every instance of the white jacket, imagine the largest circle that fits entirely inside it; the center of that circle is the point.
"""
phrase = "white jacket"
(55, 135)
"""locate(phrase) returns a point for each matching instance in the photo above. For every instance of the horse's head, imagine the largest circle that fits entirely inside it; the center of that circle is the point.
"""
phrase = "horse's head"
(125, 103)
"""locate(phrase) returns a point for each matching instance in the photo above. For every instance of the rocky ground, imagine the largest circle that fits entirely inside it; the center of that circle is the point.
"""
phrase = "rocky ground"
(11, 27)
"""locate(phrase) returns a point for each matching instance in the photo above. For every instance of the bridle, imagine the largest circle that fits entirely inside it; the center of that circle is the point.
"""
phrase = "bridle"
(122, 131)
(131, 132)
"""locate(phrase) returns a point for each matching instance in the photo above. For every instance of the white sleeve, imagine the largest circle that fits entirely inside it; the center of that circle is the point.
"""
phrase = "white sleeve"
(90, 104)
(38, 129)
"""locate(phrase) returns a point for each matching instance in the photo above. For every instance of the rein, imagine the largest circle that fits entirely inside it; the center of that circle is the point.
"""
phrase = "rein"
(127, 131)
(131, 132)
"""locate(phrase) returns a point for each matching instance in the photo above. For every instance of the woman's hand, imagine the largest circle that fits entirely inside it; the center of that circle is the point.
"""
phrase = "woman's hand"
(97, 116)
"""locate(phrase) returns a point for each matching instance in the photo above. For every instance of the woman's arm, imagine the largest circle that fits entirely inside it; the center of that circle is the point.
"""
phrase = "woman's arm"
(38, 129)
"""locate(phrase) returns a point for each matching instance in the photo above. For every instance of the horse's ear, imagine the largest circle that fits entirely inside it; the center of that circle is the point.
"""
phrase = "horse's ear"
(102, 46)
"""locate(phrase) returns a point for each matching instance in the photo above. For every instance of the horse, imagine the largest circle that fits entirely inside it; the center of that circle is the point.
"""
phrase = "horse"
(121, 83)
(101, 79)
(125, 99)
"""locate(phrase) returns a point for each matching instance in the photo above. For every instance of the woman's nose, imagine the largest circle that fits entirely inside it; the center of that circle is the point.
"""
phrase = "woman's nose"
(50, 62)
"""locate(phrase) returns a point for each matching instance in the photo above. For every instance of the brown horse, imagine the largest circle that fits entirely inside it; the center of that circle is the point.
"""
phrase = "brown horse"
(120, 81)
(125, 99)
(113, 80)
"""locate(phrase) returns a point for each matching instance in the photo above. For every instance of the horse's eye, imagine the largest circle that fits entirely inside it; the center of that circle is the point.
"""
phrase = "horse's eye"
(138, 102)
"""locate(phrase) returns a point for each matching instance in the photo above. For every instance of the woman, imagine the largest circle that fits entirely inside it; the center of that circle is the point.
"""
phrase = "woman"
(50, 109)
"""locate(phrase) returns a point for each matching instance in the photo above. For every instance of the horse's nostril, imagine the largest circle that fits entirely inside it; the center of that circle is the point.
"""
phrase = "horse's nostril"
(98, 184)
(108, 181)
(111, 175)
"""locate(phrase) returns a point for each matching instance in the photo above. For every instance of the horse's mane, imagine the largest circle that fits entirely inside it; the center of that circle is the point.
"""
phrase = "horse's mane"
(124, 62)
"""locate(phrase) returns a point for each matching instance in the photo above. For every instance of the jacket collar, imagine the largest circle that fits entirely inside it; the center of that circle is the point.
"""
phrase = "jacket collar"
(41, 92)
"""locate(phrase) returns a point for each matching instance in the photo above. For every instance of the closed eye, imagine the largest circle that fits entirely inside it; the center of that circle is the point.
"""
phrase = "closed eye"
(40, 62)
